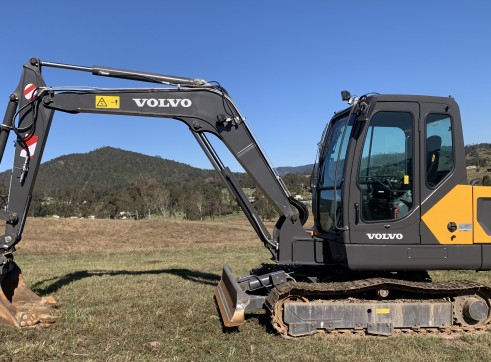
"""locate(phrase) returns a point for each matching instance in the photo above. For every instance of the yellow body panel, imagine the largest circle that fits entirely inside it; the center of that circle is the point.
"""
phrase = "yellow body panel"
(457, 207)
(480, 235)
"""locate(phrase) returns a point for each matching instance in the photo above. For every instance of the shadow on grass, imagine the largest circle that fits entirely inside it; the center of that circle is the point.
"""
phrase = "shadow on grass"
(56, 283)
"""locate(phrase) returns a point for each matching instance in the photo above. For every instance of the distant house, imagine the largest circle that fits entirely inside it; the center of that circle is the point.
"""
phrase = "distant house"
(471, 167)
(124, 215)
(489, 169)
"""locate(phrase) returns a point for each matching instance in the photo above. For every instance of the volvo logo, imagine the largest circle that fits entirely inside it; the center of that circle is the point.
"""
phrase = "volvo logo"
(163, 102)
(379, 236)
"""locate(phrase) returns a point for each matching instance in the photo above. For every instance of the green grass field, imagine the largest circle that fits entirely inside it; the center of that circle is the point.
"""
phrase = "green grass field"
(142, 291)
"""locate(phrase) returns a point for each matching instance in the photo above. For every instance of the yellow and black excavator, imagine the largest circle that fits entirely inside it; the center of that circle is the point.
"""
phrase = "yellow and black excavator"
(391, 201)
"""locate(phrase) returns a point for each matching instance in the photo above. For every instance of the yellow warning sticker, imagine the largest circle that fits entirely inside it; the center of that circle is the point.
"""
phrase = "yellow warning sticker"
(107, 102)
(406, 179)
(382, 311)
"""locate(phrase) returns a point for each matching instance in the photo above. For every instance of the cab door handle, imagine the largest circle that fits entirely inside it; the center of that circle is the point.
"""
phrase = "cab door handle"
(357, 213)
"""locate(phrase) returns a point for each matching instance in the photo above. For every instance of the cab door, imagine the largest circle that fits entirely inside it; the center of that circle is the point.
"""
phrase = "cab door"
(445, 193)
(384, 186)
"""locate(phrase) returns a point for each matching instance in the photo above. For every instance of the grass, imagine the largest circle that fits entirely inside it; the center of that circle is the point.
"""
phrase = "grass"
(142, 291)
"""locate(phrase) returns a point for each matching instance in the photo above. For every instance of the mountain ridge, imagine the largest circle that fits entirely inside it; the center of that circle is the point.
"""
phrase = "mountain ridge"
(109, 167)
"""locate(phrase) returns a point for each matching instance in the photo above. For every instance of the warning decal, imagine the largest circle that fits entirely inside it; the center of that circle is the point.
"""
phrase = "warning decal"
(107, 102)
(30, 91)
(31, 142)
(382, 311)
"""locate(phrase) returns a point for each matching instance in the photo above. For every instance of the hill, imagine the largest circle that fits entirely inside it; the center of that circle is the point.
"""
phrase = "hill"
(109, 168)
(109, 181)
(478, 155)
(302, 170)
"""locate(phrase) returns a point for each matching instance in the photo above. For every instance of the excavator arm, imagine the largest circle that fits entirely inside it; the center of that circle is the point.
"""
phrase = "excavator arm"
(205, 108)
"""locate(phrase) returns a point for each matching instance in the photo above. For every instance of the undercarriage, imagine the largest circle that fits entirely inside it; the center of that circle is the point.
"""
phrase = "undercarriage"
(388, 304)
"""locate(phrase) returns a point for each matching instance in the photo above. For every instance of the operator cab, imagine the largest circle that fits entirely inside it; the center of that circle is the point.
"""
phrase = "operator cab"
(378, 160)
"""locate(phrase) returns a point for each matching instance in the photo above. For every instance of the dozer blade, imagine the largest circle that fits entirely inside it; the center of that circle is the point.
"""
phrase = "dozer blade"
(19, 305)
(232, 301)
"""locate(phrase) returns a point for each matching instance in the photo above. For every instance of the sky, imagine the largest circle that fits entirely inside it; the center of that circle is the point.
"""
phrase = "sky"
(284, 64)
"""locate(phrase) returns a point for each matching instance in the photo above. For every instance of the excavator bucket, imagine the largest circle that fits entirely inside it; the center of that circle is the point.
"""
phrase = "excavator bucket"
(20, 306)
(232, 301)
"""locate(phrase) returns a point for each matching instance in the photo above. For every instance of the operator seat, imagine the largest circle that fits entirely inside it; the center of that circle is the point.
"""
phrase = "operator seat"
(433, 145)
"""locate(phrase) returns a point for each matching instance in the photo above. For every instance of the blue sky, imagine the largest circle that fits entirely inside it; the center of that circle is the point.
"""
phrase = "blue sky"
(283, 62)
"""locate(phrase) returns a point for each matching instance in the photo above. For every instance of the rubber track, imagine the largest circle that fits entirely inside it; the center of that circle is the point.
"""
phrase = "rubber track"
(342, 290)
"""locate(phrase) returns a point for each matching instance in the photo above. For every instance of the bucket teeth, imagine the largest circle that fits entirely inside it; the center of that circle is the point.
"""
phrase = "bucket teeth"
(20, 306)
(49, 300)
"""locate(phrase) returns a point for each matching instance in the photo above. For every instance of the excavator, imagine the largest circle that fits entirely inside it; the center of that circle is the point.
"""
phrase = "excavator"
(391, 202)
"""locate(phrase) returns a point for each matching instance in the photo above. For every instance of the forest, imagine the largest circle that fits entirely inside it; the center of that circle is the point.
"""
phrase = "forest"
(114, 183)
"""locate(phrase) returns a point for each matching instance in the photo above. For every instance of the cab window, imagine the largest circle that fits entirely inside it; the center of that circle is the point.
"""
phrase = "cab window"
(385, 176)
(439, 148)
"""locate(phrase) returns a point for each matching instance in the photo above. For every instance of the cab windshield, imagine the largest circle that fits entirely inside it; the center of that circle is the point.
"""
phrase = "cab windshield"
(331, 166)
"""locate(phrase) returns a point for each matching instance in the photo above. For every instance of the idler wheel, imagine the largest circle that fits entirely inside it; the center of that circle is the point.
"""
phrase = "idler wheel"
(476, 309)
(471, 310)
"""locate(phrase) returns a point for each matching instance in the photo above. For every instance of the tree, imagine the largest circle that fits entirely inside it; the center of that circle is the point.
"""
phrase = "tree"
(108, 206)
(213, 196)
(66, 202)
(199, 201)
(139, 195)
(175, 202)
(263, 206)
(190, 203)
(162, 198)
(295, 183)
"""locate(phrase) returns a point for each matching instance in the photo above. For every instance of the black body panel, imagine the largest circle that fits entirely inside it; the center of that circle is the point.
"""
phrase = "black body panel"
(421, 257)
